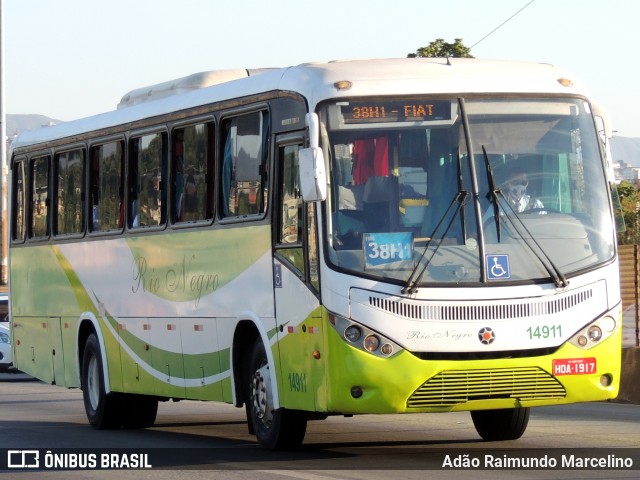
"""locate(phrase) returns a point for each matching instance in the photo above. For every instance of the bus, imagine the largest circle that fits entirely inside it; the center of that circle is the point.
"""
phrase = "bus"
(326, 239)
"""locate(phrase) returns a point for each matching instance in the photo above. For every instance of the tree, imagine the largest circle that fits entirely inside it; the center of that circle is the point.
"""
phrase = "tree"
(629, 206)
(440, 48)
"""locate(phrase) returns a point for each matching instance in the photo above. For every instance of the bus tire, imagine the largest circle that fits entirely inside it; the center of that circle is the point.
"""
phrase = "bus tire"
(140, 412)
(501, 424)
(279, 429)
(103, 410)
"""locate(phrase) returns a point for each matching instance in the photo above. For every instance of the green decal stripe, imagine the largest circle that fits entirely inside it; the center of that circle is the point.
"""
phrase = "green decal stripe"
(136, 344)
(272, 333)
(225, 359)
(161, 356)
(82, 298)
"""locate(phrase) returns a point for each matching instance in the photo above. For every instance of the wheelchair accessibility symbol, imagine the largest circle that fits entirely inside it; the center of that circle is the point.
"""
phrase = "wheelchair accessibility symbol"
(498, 267)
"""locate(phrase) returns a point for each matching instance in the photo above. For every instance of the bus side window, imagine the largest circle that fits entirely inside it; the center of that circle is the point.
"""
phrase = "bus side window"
(39, 208)
(244, 165)
(18, 224)
(290, 233)
(190, 176)
(147, 195)
(69, 189)
(106, 187)
(312, 247)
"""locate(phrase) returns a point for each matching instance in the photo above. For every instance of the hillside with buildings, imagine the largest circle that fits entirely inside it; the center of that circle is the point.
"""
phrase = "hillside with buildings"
(21, 123)
(626, 149)
(626, 157)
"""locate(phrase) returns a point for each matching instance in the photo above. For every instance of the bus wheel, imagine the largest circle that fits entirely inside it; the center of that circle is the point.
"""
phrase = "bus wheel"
(279, 429)
(103, 410)
(501, 424)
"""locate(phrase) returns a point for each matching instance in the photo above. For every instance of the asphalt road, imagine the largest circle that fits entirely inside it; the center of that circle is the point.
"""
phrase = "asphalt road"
(193, 440)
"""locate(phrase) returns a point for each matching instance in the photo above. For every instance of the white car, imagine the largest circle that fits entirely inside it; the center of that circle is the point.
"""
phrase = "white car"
(4, 307)
(6, 359)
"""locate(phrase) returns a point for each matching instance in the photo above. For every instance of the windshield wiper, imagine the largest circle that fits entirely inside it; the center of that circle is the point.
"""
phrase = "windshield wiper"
(492, 196)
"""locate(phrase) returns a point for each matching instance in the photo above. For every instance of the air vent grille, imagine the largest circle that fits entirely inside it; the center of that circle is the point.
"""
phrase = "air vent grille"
(453, 387)
(506, 310)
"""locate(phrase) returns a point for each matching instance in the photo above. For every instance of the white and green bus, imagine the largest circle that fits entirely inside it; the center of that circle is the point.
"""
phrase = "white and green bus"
(327, 239)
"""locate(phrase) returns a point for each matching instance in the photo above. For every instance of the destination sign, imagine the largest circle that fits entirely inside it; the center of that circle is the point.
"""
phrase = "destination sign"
(386, 250)
(396, 111)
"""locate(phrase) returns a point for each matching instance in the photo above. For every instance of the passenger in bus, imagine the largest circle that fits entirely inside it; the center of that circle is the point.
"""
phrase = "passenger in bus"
(190, 191)
(134, 187)
(95, 188)
(179, 174)
(515, 191)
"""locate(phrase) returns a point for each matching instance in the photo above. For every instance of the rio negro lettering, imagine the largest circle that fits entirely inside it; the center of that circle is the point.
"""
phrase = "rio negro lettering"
(179, 278)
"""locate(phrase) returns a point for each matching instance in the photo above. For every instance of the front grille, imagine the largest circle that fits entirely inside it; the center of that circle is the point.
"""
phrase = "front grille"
(449, 388)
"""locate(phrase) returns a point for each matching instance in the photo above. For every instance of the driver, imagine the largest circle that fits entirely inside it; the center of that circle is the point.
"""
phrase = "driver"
(515, 191)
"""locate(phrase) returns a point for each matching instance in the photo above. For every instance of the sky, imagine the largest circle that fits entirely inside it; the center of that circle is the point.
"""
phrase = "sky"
(68, 59)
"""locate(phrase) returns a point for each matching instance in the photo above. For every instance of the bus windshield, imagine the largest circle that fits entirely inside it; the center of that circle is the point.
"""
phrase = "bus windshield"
(461, 191)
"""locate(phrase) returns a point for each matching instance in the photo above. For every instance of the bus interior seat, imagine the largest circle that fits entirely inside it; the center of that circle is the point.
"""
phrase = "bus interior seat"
(380, 204)
(349, 217)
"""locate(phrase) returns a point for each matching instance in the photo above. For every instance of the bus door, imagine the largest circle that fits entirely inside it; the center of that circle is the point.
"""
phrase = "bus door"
(296, 282)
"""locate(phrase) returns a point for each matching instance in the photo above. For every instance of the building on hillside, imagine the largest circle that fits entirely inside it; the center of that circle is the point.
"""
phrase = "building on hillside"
(625, 171)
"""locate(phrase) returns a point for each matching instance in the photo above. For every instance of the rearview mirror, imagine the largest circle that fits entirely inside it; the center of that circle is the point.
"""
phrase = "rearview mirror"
(313, 178)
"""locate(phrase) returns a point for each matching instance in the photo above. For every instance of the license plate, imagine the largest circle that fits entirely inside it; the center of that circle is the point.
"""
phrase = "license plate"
(574, 366)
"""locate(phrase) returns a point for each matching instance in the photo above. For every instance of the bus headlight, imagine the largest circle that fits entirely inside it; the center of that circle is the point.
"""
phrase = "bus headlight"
(353, 333)
(594, 333)
(371, 343)
(386, 349)
(363, 338)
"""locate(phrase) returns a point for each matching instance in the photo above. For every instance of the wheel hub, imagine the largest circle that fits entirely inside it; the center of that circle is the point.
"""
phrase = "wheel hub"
(93, 383)
(261, 395)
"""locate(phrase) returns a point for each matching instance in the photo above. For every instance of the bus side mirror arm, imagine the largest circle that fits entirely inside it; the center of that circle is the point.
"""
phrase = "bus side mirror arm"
(603, 115)
(313, 176)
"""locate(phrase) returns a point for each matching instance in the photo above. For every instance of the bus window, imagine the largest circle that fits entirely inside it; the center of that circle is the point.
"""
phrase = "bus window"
(312, 247)
(69, 192)
(106, 187)
(18, 230)
(244, 165)
(39, 197)
(290, 231)
(290, 206)
(191, 160)
(292, 218)
(147, 205)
